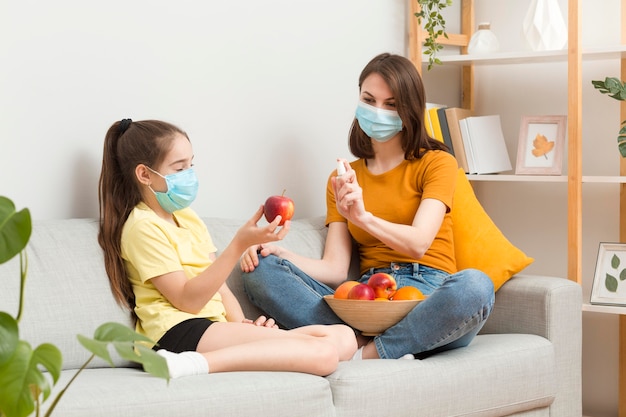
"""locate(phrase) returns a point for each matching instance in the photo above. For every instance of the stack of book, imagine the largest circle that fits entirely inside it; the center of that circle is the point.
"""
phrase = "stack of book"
(477, 142)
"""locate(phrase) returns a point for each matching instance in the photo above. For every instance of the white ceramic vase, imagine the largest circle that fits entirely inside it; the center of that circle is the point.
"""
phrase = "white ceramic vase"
(483, 41)
(544, 28)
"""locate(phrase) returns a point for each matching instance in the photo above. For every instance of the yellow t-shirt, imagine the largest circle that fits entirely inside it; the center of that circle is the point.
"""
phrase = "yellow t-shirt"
(395, 196)
(152, 247)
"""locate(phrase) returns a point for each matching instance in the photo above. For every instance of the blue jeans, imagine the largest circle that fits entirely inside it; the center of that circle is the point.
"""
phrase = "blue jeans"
(456, 308)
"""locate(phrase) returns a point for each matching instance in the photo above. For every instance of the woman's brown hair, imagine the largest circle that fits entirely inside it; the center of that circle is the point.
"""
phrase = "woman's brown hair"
(410, 98)
(126, 145)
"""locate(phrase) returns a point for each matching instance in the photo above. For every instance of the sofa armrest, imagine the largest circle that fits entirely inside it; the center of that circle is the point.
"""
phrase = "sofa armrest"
(552, 308)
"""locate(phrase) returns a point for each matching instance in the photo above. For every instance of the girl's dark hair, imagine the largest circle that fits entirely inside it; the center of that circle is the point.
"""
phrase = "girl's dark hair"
(126, 145)
(410, 98)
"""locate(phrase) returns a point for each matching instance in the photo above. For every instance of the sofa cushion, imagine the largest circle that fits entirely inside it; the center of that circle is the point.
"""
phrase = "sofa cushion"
(130, 392)
(478, 243)
(466, 381)
(67, 290)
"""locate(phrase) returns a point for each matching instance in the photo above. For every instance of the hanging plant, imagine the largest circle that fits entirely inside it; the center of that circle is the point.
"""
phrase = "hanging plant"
(617, 90)
(435, 26)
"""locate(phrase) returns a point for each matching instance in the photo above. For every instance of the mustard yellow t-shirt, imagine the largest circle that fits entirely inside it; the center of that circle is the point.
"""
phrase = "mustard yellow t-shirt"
(395, 196)
(152, 247)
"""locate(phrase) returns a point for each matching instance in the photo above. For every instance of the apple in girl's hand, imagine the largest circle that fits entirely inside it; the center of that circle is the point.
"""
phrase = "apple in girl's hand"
(278, 204)
(384, 285)
(361, 292)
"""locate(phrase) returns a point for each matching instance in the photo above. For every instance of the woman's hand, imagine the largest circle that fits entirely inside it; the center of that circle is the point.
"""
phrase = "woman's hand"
(250, 258)
(262, 321)
(348, 194)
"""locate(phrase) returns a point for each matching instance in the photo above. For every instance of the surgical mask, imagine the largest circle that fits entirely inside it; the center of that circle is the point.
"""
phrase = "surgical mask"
(182, 188)
(378, 124)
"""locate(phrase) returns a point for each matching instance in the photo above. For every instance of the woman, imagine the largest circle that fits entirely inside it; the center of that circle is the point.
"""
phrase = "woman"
(161, 264)
(394, 201)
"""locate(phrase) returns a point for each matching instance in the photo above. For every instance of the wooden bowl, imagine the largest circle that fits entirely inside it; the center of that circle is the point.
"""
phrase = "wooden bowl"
(368, 316)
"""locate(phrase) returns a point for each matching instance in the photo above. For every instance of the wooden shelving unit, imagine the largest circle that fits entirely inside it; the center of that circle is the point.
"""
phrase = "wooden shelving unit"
(574, 56)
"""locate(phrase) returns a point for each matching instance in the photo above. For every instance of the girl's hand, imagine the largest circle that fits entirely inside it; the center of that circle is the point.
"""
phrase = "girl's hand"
(250, 234)
(262, 321)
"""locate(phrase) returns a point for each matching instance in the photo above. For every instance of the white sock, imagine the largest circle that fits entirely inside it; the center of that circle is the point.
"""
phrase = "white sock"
(408, 356)
(358, 355)
(184, 363)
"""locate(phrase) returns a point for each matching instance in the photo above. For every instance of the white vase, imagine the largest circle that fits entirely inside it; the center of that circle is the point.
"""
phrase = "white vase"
(483, 41)
(544, 28)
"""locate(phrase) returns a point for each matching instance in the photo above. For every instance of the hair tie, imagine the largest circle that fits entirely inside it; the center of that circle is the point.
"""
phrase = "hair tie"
(124, 124)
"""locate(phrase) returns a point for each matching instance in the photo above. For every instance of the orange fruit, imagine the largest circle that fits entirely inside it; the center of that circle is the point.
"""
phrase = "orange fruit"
(381, 299)
(408, 293)
(343, 289)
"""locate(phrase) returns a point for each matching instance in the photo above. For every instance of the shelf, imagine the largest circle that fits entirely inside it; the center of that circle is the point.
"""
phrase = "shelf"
(598, 179)
(604, 309)
(528, 57)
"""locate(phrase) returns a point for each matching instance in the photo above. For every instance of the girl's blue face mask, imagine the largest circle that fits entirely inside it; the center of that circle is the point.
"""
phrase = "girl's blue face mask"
(378, 124)
(182, 188)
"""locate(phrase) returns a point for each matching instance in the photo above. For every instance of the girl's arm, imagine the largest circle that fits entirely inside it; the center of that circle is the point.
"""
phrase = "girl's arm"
(191, 295)
(332, 269)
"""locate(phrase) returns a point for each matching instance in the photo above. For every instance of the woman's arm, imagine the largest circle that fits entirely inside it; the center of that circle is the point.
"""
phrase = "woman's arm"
(413, 240)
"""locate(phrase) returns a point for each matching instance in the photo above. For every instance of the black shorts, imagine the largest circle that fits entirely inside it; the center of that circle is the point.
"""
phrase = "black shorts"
(185, 336)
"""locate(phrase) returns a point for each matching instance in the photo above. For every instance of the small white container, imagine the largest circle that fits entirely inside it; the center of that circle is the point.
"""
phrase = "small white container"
(483, 41)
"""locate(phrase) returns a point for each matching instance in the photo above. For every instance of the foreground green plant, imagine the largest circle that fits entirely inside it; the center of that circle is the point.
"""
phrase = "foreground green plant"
(617, 90)
(435, 26)
(24, 382)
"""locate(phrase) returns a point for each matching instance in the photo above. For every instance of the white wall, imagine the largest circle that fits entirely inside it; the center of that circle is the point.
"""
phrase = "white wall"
(266, 91)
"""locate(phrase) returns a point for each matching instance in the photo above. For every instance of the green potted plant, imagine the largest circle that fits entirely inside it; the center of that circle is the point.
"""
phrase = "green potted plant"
(617, 90)
(24, 385)
(435, 26)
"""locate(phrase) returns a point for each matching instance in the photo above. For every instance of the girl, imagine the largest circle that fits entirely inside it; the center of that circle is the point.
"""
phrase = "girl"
(394, 201)
(161, 264)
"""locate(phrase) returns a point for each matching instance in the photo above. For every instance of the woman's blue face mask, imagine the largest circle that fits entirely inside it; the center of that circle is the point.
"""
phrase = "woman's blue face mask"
(378, 124)
(182, 188)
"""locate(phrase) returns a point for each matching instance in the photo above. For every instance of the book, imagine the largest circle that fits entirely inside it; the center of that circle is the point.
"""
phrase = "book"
(453, 115)
(434, 119)
(484, 144)
(428, 122)
(445, 130)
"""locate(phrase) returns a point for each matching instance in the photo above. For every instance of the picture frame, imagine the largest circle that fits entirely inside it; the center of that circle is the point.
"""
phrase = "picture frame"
(541, 145)
(609, 280)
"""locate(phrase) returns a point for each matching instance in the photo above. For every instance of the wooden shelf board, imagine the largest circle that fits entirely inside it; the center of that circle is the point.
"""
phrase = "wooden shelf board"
(599, 179)
(528, 57)
(604, 309)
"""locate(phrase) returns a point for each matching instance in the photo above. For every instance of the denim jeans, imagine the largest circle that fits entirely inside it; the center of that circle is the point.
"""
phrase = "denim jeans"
(456, 308)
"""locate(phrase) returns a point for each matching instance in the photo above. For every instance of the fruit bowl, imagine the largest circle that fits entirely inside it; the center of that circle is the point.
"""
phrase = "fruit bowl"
(368, 316)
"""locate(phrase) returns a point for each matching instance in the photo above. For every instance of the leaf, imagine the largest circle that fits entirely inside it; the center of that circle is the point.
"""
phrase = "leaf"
(21, 376)
(15, 229)
(9, 337)
(541, 145)
(622, 275)
(615, 261)
(128, 345)
(610, 283)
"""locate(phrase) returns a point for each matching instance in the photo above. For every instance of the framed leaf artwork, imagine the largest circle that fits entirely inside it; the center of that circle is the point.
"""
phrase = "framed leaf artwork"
(609, 280)
(541, 144)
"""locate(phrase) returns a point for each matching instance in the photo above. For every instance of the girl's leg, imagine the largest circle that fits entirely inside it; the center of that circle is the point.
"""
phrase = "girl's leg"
(245, 347)
(287, 294)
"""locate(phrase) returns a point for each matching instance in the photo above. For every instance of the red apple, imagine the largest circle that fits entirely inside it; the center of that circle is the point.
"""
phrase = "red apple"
(384, 285)
(361, 292)
(278, 204)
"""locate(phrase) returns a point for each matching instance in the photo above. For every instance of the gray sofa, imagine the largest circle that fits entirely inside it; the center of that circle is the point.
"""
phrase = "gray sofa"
(526, 361)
